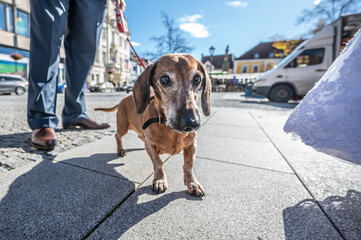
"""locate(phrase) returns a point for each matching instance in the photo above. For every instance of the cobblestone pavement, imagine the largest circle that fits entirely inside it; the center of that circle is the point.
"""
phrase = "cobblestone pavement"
(15, 134)
(15, 149)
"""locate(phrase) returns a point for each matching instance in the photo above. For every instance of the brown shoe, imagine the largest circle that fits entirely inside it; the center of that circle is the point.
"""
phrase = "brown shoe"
(44, 138)
(89, 124)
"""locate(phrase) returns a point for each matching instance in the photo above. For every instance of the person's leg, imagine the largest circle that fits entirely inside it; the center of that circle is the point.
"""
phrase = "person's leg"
(81, 41)
(48, 21)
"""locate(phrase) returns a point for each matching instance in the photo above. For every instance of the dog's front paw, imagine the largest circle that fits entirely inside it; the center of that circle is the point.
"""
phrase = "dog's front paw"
(121, 152)
(195, 188)
(160, 185)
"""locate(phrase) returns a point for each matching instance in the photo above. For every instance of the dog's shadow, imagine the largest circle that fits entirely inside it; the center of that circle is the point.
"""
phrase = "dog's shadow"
(61, 200)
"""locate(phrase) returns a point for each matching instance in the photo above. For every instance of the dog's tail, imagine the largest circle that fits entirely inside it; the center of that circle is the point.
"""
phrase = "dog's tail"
(107, 109)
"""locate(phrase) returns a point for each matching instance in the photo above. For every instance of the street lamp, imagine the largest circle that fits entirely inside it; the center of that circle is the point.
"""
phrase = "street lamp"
(211, 52)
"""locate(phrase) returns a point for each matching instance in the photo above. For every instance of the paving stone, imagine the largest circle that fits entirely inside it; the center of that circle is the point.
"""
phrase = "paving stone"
(240, 203)
(47, 200)
(232, 117)
(240, 151)
(335, 183)
(101, 156)
(237, 132)
(15, 133)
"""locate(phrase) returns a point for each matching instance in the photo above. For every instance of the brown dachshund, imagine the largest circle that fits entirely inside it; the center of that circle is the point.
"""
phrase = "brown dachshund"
(167, 118)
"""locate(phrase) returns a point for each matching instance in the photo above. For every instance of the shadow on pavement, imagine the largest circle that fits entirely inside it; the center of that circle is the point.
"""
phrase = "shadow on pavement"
(288, 105)
(16, 140)
(133, 212)
(16, 151)
(302, 220)
(128, 150)
(18, 145)
(57, 200)
(252, 103)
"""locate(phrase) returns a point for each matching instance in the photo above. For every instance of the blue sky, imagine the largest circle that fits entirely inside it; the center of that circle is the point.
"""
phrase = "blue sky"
(240, 24)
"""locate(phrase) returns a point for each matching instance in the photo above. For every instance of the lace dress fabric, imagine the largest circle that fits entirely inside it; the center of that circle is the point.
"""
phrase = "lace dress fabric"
(329, 117)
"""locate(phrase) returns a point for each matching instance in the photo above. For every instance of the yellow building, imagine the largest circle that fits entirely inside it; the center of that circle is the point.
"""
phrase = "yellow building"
(256, 61)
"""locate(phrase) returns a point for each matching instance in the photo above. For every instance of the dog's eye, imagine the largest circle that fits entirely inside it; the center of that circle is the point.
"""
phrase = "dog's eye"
(196, 80)
(165, 80)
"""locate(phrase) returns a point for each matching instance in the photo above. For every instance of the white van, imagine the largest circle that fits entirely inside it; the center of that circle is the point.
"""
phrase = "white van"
(296, 74)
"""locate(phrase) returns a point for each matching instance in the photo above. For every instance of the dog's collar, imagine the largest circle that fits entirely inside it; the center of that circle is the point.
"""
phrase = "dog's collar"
(157, 119)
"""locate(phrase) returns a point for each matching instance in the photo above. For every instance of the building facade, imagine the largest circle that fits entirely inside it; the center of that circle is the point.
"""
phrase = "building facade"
(14, 36)
(112, 62)
(257, 60)
(216, 66)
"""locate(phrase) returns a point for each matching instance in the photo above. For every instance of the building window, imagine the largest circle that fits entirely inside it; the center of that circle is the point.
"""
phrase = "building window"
(97, 78)
(6, 17)
(92, 77)
(97, 57)
(10, 18)
(2, 17)
(271, 55)
(120, 42)
(104, 57)
(256, 55)
(244, 69)
(255, 69)
(22, 23)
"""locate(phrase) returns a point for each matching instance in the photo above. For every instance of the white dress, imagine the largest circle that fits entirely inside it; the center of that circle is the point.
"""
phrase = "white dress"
(329, 117)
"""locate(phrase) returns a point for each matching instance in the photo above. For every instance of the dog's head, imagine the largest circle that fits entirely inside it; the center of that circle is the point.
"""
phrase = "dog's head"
(176, 79)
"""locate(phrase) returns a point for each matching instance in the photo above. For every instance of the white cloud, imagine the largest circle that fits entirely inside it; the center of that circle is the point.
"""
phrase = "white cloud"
(235, 4)
(316, 2)
(135, 44)
(197, 30)
(192, 18)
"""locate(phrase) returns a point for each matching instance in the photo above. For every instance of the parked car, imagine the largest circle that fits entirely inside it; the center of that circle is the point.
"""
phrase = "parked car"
(62, 87)
(120, 89)
(94, 88)
(13, 84)
(104, 87)
(130, 86)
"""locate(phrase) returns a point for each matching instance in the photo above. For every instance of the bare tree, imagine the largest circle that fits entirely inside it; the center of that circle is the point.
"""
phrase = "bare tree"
(328, 10)
(171, 42)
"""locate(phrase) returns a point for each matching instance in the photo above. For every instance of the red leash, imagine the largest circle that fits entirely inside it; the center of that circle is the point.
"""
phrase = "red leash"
(122, 28)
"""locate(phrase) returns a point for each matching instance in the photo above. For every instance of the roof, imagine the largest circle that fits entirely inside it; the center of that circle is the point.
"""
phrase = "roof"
(218, 60)
(263, 49)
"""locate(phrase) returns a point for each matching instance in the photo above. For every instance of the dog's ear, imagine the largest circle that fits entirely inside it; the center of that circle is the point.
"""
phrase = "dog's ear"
(141, 89)
(206, 92)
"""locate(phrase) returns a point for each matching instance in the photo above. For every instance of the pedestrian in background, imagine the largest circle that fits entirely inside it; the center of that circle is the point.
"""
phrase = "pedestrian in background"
(79, 24)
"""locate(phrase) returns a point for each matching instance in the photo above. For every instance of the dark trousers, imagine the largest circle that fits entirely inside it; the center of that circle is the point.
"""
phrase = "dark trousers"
(79, 24)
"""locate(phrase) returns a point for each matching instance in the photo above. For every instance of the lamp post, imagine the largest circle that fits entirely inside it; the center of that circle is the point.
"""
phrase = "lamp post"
(211, 52)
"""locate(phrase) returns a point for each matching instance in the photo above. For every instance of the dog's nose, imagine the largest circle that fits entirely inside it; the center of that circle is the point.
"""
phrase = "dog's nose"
(189, 122)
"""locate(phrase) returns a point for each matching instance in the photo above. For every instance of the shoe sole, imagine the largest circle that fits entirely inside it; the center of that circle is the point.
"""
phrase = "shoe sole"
(41, 147)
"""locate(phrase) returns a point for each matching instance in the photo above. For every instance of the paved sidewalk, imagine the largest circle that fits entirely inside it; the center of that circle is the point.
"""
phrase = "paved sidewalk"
(259, 185)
